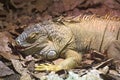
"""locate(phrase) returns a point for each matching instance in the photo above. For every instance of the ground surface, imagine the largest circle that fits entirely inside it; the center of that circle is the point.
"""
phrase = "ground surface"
(15, 15)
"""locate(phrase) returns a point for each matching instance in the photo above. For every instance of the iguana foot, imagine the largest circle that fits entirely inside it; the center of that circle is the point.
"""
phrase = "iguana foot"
(47, 67)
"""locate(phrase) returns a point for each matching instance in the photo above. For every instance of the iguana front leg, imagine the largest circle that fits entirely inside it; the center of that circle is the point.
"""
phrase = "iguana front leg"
(72, 59)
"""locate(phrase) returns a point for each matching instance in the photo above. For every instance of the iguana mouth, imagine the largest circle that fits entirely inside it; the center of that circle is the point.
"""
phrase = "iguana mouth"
(20, 47)
(27, 46)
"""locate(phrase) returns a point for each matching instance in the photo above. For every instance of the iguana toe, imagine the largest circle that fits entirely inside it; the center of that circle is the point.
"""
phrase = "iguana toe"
(47, 67)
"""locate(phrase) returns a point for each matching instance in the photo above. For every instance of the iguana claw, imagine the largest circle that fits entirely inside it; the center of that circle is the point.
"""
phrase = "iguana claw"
(47, 67)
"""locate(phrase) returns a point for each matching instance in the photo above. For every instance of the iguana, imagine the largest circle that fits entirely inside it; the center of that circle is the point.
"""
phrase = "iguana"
(67, 39)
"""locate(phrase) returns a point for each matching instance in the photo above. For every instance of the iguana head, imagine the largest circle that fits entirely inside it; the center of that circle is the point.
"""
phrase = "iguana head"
(26, 40)
(35, 40)
(32, 39)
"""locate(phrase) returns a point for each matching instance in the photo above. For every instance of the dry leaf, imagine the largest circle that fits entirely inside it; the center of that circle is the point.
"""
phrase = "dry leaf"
(4, 70)
(5, 50)
(19, 68)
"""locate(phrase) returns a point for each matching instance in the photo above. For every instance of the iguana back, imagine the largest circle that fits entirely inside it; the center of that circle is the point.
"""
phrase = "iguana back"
(94, 32)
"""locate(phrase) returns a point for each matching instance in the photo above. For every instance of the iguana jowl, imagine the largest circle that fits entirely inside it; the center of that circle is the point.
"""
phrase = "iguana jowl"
(52, 40)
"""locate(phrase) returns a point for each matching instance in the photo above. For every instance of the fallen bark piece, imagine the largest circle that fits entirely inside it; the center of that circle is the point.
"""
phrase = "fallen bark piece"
(4, 70)
(103, 64)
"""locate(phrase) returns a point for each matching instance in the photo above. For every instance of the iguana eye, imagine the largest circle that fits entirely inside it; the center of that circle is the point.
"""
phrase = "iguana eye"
(32, 35)
(32, 38)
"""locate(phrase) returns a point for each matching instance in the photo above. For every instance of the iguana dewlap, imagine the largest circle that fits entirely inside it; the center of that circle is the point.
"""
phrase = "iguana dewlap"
(52, 40)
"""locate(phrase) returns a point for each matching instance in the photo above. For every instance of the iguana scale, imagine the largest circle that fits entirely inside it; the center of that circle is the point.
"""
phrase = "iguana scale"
(66, 38)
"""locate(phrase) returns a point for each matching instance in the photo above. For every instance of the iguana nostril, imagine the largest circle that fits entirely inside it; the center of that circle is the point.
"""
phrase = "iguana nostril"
(17, 41)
